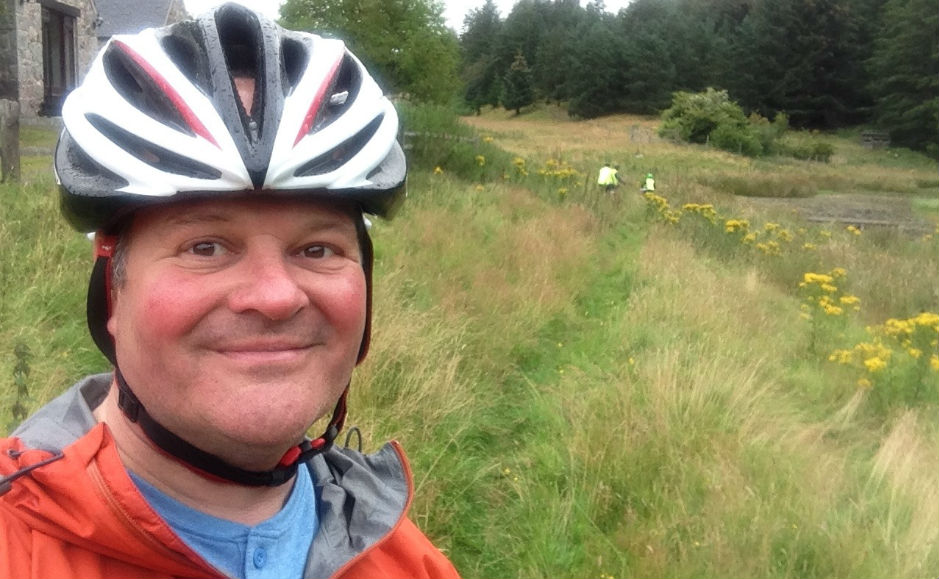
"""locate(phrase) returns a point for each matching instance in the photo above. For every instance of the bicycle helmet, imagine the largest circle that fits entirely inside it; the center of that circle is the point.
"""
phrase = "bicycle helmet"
(159, 119)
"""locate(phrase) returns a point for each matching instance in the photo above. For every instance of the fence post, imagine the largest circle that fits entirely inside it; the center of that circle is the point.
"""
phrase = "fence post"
(9, 140)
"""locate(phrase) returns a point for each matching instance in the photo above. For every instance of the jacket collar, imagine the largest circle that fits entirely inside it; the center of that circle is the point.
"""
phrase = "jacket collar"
(361, 498)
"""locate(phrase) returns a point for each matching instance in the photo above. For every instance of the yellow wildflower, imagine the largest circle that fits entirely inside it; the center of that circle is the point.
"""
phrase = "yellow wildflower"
(818, 278)
(927, 319)
(841, 356)
(915, 353)
(853, 229)
(864, 383)
(438, 170)
(480, 160)
(897, 328)
(833, 310)
(934, 362)
(769, 248)
(875, 364)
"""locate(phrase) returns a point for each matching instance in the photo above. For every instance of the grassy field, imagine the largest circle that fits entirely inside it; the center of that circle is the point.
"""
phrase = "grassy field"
(617, 386)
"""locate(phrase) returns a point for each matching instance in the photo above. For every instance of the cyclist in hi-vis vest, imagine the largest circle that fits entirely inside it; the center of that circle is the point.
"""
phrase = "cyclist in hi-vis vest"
(648, 184)
(607, 177)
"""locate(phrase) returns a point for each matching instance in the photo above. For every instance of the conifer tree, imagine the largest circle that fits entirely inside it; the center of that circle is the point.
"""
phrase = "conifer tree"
(800, 57)
(518, 90)
(905, 69)
(480, 70)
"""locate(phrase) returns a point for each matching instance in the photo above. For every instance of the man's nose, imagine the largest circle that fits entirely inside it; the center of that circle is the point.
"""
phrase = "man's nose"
(269, 285)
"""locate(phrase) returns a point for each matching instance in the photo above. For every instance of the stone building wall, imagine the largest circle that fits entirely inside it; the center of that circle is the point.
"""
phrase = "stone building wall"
(8, 89)
(29, 49)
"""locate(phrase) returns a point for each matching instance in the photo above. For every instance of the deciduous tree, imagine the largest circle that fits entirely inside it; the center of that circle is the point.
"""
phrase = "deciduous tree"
(405, 43)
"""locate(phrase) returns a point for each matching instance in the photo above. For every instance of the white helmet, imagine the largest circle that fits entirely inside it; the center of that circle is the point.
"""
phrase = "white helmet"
(158, 118)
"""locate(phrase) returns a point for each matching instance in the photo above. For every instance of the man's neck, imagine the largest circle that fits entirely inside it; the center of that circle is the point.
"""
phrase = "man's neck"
(242, 504)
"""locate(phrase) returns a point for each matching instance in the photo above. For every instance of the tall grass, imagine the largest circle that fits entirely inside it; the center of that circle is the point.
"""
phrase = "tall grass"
(43, 269)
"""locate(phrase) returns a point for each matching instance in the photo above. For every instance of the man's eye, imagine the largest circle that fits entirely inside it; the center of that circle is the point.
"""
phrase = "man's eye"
(317, 252)
(207, 249)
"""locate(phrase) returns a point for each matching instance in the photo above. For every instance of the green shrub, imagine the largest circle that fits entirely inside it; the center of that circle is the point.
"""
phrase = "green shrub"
(711, 117)
(808, 151)
(433, 136)
(768, 132)
(694, 116)
(740, 139)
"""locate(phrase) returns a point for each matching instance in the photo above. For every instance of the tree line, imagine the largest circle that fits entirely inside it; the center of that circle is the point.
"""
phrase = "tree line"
(824, 63)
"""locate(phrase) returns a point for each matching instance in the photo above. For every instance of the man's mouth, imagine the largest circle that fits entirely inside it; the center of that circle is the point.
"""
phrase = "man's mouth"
(265, 350)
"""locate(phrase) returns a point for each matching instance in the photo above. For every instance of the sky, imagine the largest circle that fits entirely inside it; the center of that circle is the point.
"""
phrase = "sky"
(454, 10)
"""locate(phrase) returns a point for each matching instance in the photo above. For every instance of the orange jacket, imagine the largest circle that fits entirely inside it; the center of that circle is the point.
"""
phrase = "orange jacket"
(81, 515)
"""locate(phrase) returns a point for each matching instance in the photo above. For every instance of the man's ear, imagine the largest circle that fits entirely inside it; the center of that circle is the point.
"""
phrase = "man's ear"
(112, 321)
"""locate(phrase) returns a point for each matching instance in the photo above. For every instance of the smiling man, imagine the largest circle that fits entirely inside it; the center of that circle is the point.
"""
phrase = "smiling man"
(225, 165)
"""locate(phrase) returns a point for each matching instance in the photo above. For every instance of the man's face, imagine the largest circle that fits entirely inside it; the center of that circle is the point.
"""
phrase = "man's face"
(239, 321)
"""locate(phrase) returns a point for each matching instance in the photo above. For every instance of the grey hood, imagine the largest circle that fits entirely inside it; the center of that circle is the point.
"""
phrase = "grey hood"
(361, 496)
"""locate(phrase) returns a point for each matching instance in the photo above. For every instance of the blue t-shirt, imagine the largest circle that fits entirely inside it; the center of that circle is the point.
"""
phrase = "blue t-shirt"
(273, 549)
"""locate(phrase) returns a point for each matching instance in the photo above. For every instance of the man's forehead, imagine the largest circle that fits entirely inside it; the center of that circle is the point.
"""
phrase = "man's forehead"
(207, 211)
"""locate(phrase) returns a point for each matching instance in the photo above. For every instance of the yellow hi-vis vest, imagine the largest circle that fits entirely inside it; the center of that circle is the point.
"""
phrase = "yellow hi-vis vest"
(607, 176)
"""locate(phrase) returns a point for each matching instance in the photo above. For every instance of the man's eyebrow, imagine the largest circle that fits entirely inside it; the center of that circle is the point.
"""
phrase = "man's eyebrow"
(197, 218)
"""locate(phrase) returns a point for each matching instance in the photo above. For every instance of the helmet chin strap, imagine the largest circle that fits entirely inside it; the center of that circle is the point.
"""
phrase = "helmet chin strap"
(210, 466)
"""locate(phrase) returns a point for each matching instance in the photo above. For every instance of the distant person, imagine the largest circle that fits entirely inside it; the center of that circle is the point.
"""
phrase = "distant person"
(226, 166)
(608, 177)
(647, 184)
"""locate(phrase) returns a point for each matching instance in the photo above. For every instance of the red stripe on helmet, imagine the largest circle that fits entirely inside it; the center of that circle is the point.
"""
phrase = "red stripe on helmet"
(317, 101)
(184, 110)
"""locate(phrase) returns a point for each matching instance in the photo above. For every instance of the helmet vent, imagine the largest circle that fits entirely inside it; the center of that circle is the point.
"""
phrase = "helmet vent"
(342, 94)
(151, 154)
(296, 57)
(138, 87)
(185, 46)
(99, 177)
(337, 157)
(243, 46)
